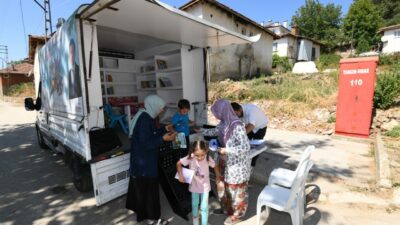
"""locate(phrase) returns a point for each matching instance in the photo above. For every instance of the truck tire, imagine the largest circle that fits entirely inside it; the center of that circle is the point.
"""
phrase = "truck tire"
(40, 139)
(82, 178)
(83, 184)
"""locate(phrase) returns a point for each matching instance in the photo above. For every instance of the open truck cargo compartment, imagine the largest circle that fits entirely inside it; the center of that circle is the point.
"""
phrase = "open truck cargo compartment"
(156, 19)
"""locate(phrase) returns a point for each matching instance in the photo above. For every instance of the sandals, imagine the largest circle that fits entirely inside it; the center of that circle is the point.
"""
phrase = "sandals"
(230, 221)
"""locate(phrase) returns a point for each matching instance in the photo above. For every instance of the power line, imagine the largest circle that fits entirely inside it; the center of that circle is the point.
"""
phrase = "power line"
(23, 25)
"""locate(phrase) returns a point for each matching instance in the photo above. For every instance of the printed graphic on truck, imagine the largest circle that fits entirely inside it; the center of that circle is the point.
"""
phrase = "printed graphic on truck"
(59, 66)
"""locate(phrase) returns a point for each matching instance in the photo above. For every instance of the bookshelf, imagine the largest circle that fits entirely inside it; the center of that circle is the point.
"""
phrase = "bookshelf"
(159, 73)
(118, 79)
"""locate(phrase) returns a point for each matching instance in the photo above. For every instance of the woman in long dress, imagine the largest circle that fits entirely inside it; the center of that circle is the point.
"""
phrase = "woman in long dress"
(143, 192)
(234, 161)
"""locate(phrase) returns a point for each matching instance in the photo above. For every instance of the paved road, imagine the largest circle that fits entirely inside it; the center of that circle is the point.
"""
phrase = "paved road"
(36, 187)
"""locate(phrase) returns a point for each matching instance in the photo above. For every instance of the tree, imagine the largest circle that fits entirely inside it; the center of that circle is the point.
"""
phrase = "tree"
(362, 23)
(314, 20)
(389, 10)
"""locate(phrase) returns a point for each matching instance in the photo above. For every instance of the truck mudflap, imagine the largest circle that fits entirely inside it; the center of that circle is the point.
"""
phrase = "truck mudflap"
(110, 178)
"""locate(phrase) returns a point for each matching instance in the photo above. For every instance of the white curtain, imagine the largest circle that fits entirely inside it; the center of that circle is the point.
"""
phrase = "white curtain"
(305, 50)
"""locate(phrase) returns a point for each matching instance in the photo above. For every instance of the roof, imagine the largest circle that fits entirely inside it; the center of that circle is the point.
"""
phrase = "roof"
(359, 59)
(34, 41)
(397, 26)
(301, 37)
(280, 26)
(227, 9)
(21, 68)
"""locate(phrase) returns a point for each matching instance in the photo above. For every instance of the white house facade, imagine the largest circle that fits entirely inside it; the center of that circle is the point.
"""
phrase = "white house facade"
(390, 39)
(245, 60)
(292, 45)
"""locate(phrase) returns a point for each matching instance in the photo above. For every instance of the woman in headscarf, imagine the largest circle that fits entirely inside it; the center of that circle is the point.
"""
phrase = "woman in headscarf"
(143, 192)
(234, 161)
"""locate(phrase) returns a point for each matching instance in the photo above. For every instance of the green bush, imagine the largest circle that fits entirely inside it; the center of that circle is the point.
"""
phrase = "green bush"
(395, 132)
(386, 59)
(387, 88)
(363, 46)
(331, 119)
(328, 61)
(18, 89)
(281, 62)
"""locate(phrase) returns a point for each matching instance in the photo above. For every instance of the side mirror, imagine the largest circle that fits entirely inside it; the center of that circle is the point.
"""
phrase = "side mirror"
(29, 105)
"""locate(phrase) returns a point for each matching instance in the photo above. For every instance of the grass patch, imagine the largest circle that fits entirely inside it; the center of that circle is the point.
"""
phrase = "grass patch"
(332, 119)
(395, 132)
(330, 61)
(314, 90)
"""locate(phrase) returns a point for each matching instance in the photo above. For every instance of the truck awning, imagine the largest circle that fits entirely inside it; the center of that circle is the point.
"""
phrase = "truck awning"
(156, 19)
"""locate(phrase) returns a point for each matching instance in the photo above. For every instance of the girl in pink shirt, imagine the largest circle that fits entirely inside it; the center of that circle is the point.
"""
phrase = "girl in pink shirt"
(199, 161)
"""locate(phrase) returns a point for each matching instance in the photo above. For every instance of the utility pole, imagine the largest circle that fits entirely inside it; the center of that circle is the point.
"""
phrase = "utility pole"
(4, 50)
(47, 16)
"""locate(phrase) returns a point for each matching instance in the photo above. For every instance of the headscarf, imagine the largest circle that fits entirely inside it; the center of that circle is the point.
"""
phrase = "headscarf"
(223, 111)
(152, 106)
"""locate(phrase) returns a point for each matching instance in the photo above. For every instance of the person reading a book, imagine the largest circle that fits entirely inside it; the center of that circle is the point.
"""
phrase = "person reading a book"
(199, 162)
(180, 120)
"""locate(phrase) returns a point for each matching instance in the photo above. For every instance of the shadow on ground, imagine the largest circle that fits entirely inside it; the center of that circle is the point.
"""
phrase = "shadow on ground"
(36, 186)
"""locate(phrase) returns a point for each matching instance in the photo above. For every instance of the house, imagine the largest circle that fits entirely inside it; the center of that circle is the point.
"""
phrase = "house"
(15, 74)
(245, 60)
(292, 45)
(390, 38)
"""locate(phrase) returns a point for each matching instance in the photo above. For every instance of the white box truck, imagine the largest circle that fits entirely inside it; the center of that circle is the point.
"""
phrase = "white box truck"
(108, 51)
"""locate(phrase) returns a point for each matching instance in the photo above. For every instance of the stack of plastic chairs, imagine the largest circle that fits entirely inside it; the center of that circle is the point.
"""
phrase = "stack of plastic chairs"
(114, 119)
(285, 190)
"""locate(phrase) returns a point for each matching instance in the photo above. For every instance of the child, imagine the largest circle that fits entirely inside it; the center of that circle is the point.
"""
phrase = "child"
(199, 161)
(180, 120)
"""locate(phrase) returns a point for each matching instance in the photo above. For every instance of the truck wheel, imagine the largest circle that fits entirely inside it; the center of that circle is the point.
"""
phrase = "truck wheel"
(67, 157)
(81, 175)
(40, 139)
(83, 184)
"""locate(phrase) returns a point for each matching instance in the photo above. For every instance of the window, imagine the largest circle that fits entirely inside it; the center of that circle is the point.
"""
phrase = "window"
(244, 31)
(251, 34)
(275, 47)
(397, 34)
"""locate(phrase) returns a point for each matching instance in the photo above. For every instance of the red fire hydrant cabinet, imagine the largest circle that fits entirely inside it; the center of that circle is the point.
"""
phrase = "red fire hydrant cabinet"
(355, 100)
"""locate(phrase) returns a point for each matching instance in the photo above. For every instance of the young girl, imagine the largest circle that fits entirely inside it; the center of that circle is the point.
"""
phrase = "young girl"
(199, 161)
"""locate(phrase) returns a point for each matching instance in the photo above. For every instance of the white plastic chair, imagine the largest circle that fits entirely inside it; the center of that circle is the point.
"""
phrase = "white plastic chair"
(285, 177)
(284, 199)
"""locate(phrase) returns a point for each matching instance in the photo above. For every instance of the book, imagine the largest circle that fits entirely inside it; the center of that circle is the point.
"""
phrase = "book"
(187, 175)
(109, 78)
(165, 82)
(161, 64)
(110, 90)
(256, 142)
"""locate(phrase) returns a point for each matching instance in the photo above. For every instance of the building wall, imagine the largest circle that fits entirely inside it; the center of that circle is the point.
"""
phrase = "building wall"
(317, 51)
(282, 47)
(391, 43)
(292, 49)
(236, 61)
(196, 11)
(7, 81)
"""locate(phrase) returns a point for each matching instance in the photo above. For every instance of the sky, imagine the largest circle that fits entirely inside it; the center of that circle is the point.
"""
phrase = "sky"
(18, 18)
